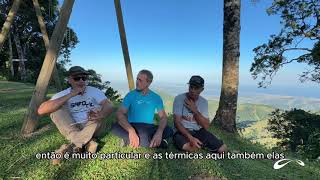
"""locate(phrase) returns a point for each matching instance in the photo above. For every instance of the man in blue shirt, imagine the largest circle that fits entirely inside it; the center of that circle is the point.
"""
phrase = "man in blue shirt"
(135, 116)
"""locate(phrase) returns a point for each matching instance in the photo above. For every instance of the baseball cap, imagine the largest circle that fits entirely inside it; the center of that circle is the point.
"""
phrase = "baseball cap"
(77, 70)
(197, 81)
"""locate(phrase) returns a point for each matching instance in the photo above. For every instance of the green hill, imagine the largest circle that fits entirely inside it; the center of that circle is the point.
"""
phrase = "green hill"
(258, 133)
(18, 154)
(247, 113)
(284, 102)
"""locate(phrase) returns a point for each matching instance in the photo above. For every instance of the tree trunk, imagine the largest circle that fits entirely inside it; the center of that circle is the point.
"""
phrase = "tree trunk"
(45, 38)
(124, 44)
(7, 24)
(31, 118)
(22, 68)
(226, 114)
(10, 57)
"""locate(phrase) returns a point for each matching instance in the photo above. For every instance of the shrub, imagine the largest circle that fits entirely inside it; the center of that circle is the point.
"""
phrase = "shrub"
(297, 130)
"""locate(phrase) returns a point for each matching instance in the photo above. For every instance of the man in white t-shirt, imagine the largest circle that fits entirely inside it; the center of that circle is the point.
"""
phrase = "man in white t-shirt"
(191, 120)
(79, 111)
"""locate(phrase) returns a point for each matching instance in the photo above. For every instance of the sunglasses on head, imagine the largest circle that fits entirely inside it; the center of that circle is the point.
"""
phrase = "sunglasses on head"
(84, 78)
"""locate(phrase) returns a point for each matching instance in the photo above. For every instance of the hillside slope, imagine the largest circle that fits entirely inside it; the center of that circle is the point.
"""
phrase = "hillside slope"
(18, 154)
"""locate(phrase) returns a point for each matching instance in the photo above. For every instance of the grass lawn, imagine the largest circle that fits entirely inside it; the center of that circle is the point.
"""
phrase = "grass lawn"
(18, 154)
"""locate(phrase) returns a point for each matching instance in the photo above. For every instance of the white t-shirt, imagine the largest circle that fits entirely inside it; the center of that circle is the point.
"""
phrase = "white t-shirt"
(188, 120)
(80, 105)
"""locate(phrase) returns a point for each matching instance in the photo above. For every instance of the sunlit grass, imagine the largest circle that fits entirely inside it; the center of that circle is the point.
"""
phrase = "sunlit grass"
(18, 159)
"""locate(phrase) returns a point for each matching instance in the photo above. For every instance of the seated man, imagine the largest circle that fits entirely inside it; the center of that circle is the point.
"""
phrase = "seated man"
(78, 112)
(135, 116)
(190, 111)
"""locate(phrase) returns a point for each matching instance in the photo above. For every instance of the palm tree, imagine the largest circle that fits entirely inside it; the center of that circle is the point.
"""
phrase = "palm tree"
(226, 114)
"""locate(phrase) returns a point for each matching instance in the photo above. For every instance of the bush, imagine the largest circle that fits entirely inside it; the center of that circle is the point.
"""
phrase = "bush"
(297, 130)
(95, 81)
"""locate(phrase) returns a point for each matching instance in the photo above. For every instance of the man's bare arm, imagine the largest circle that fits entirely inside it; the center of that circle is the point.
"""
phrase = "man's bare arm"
(163, 120)
(201, 120)
(157, 137)
(122, 119)
(50, 106)
(123, 122)
(106, 110)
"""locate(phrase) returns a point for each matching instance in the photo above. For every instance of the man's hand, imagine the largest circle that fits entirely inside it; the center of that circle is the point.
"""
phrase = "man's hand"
(77, 91)
(134, 139)
(95, 115)
(195, 142)
(156, 140)
(191, 105)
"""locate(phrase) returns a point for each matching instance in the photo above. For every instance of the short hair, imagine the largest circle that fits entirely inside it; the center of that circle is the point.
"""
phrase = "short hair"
(148, 74)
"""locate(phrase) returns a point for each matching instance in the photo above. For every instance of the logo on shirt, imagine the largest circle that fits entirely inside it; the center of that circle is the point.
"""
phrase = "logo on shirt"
(82, 103)
(187, 114)
(143, 102)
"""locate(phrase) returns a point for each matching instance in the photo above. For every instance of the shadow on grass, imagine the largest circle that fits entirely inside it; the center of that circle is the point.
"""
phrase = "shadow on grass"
(20, 153)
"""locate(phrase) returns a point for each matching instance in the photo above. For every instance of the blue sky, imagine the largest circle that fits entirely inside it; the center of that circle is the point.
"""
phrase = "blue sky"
(173, 38)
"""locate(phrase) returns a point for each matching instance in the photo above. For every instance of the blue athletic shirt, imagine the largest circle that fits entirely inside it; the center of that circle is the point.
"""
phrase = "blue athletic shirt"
(141, 108)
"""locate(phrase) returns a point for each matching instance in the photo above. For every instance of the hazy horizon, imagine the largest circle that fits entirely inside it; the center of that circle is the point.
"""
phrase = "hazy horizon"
(212, 90)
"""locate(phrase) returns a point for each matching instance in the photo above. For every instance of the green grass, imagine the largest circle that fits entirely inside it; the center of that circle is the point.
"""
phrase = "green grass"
(17, 154)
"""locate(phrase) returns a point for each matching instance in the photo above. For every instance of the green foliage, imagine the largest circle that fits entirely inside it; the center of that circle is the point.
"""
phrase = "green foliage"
(300, 20)
(96, 81)
(112, 94)
(297, 130)
(26, 27)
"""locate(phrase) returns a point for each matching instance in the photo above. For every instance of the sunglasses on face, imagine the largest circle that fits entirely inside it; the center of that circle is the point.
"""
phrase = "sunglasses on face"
(84, 78)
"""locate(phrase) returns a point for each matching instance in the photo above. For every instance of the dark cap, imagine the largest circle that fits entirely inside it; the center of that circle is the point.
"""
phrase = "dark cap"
(77, 70)
(197, 81)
